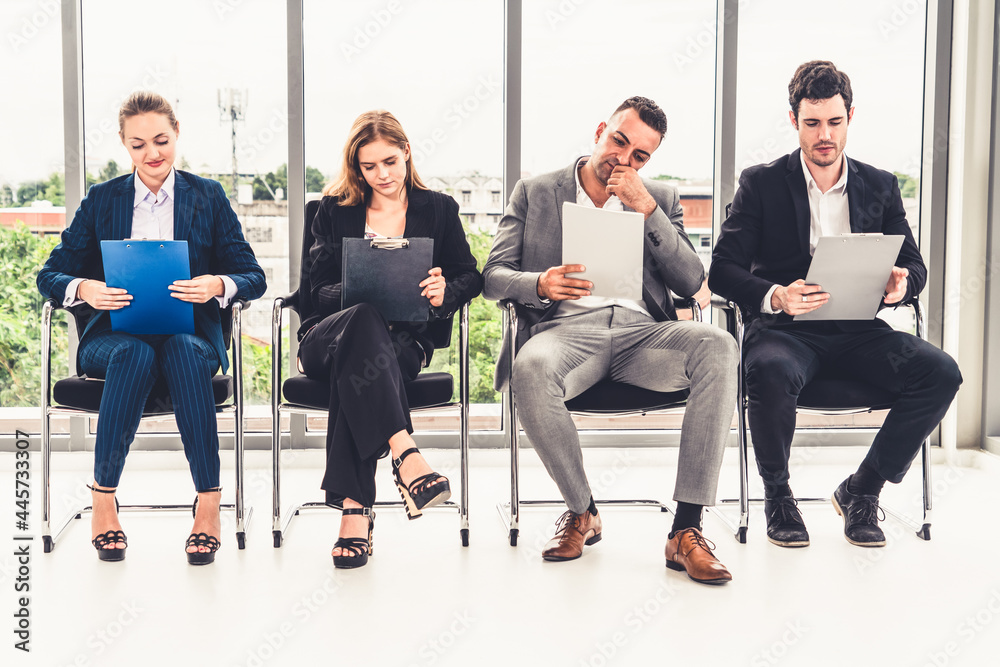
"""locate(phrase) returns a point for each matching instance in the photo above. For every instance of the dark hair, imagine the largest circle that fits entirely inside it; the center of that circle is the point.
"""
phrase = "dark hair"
(649, 113)
(818, 80)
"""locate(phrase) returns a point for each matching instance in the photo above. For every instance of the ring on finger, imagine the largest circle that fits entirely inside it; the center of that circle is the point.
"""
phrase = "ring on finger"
(804, 298)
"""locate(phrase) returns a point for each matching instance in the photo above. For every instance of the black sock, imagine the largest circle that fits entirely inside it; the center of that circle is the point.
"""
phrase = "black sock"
(772, 491)
(593, 507)
(866, 481)
(687, 516)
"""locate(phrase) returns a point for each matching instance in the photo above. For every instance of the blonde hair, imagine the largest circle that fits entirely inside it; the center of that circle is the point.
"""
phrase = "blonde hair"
(350, 187)
(144, 101)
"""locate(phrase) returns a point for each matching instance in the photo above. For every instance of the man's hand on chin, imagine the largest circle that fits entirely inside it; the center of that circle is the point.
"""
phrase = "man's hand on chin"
(625, 184)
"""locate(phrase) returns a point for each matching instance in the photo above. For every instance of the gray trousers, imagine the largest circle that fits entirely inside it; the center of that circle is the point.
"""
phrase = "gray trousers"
(566, 356)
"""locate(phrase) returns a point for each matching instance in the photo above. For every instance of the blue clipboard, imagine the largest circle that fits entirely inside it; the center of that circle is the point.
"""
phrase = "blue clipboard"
(144, 269)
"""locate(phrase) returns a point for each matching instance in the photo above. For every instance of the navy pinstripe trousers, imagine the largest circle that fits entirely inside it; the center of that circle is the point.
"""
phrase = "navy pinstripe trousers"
(130, 365)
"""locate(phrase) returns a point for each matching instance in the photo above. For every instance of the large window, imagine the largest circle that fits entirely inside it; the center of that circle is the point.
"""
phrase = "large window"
(581, 60)
(32, 197)
(222, 66)
(881, 48)
(445, 85)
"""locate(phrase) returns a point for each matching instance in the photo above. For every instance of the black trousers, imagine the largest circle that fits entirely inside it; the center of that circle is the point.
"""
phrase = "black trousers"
(366, 365)
(781, 360)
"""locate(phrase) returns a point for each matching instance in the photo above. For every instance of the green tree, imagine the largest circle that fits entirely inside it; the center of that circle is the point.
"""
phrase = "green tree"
(257, 369)
(53, 190)
(485, 332)
(21, 256)
(109, 171)
(315, 180)
(909, 186)
(29, 191)
(279, 179)
(6, 196)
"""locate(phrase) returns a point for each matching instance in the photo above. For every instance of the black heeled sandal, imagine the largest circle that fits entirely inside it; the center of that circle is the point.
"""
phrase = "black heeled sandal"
(359, 548)
(109, 537)
(201, 539)
(422, 491)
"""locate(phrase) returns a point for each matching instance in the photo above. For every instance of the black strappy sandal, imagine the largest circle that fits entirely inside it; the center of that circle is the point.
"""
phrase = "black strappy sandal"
(201, 539)
(109, 537)
(422, 492)
(359, 548)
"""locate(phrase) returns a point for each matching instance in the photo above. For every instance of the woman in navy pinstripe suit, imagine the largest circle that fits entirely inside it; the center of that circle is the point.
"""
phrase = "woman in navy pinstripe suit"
(155, 201)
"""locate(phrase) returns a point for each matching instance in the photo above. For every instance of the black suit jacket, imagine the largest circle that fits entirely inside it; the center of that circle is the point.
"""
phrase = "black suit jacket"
(765, 238)
(429, 214)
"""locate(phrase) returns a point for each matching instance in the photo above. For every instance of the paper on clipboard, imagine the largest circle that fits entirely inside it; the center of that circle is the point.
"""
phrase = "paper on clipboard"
(609, 244)
(145, 269)
(854, 270)
(387, 274)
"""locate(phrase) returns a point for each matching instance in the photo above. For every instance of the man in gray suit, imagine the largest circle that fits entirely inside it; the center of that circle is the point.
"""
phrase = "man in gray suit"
(569, 340)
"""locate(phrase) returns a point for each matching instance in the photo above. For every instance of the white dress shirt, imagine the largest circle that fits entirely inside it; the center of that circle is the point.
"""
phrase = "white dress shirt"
(588, 303)
(152, 218)
(829, 215)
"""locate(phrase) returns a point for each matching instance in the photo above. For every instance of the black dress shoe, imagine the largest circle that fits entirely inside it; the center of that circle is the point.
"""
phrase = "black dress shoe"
(785, 526)
(861, 517)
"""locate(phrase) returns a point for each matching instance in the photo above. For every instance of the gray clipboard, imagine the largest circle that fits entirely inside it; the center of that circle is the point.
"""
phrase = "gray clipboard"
(853, 269)
(609, 244)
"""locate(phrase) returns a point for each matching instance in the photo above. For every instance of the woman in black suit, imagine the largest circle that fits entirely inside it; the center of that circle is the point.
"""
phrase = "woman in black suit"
(378, 194)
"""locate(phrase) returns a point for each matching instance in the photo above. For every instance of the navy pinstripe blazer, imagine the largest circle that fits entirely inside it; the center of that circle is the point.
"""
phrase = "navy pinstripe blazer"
(202, 217)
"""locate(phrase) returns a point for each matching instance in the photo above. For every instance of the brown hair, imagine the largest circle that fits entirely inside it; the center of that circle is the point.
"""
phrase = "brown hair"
(144, 101)
(818, 80)
(350, 187)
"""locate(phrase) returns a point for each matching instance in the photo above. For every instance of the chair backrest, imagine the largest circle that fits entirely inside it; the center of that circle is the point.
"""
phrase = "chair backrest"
(303, 301)
(439, 331)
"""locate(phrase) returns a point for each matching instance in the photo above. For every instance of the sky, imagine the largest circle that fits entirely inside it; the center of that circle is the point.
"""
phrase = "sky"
(438, 66)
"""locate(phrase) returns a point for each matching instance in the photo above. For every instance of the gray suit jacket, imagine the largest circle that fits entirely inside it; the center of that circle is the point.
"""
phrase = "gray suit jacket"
(529, 241)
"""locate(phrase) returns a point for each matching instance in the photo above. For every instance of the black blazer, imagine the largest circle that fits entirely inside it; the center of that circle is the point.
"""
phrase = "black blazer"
(765, 238)
(429, 214)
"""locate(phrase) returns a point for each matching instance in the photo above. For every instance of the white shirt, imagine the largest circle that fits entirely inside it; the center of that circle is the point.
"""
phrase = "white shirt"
(829, 214)
(588, 303)
(152, 218)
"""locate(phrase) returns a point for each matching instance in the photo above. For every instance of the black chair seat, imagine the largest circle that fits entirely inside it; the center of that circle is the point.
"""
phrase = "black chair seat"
(842, 394)
(85, 394)
(426, 390)
(614, 397)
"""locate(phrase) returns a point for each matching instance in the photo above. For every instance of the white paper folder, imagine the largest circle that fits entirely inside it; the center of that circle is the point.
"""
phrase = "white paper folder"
(854, 270)
(609, 244)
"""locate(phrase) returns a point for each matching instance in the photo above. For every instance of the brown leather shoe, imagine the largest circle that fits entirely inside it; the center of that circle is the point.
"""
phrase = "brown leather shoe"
(572, 532)
(689, 551)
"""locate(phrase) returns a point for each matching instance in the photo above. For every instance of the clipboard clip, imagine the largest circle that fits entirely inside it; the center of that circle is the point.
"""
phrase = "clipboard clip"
(390, 244)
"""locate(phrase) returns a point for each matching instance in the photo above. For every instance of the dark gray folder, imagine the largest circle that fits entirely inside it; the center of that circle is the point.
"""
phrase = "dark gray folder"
(387, 274)
(144, 269)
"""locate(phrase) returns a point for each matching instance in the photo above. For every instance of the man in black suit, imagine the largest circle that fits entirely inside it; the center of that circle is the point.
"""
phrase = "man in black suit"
(760, 261)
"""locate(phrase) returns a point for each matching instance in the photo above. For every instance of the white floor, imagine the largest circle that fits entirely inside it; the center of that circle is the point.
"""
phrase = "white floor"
(425, 600)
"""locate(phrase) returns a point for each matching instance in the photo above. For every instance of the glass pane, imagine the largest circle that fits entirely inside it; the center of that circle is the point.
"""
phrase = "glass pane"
(223, 69)
(32, 198)
(886, 129)
(445, 86)
(573, 80)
